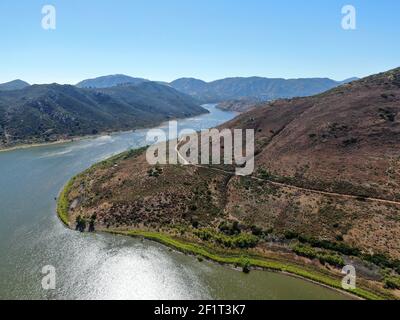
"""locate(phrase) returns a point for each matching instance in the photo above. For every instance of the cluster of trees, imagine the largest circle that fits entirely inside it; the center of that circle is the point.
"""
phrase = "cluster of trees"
(392, 282)
(323, 257)
(230, 228)
(383, 261)
(324, 244)
(81, 223)
(242, 240)
(378, 259)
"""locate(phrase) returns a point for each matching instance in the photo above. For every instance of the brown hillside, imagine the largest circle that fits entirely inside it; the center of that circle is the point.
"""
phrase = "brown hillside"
(345, 141)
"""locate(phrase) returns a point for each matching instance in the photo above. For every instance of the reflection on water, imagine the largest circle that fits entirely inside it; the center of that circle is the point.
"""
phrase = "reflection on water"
(100, 266)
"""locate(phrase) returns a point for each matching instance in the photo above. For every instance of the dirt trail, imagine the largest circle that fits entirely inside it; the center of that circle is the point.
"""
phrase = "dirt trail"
(327, 193)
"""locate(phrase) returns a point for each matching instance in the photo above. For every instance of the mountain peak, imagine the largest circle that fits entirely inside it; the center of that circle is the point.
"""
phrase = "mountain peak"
(14, 85)
(110, 81)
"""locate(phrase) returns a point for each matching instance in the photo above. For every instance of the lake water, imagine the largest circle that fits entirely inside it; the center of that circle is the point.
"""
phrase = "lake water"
(100, 266)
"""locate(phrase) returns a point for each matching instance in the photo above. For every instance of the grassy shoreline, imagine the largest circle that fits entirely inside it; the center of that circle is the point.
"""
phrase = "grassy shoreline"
(263, 263)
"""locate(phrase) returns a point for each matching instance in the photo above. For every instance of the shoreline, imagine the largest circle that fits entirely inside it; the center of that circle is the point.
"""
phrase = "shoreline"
(57, 142)
(233, 260)
(36, 145)
(101, 134)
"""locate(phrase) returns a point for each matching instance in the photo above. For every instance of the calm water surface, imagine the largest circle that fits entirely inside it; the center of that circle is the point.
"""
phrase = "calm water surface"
(98, 266)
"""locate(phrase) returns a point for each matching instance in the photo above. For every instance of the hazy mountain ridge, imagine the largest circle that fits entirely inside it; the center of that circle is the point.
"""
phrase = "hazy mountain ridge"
(110, 81)
(231, 89)
(42, 113)
(92, 113)
(263, 89)
(13, 85)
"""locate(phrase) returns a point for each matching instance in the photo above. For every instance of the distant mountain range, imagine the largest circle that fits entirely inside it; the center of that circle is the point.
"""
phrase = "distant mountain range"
(262, 89)
(41, 113)
(250, 89)
(229, 89)
(13, 85)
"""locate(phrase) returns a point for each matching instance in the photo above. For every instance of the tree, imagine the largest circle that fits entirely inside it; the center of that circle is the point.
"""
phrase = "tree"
(80, 224)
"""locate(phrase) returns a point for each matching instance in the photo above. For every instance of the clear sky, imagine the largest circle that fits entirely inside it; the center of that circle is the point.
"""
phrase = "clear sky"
(206, 39)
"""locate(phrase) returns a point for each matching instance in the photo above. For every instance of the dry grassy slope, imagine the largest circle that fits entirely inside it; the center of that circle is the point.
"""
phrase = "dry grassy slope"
(346, 140)
(300, 140)
(372, 227)
(128, 194)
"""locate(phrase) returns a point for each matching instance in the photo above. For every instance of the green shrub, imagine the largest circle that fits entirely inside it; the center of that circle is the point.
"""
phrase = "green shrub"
(92, 223)
(236, 241)
(332, 259)
(80, 224)
(257, 231)
(155, 172)
(334, 246)
(264, 174)
(305, 251)
(229, 228)
(245, 264)
(339, 238)
(203, 234)
(392, 282)
(291, 235)
(382, 261)
(323, 257)
(324, 244)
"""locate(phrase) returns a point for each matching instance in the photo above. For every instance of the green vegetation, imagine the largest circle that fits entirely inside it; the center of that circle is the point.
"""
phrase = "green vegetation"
(80, 224)
(322, 256)
(155, 172)
(392, 282)
(230, 228)
(63, 203)
(387, 114)
(383, 261)
(242, 241)
(264, 174)
(245, 264)
(238, 260)
(378, 259)
(324, 244)
(92, 223)
(305, 251)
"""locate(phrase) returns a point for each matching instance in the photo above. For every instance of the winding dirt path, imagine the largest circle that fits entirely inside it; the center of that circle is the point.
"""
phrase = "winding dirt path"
(327, 193)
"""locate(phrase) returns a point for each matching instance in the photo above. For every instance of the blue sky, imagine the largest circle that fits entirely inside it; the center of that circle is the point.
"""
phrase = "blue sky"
(206, 39)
